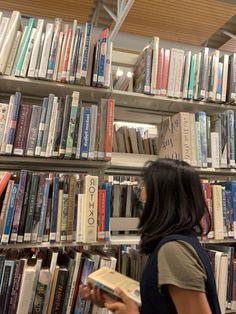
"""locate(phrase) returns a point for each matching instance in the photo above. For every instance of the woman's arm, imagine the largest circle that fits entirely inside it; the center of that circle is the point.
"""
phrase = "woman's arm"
(189, 301)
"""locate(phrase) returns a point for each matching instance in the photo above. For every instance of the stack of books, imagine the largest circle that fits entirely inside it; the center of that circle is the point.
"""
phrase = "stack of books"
(59, 128)
(54, 51)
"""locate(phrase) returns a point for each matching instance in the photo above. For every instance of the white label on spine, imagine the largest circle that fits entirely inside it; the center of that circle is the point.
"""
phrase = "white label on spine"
(52, 236)
(20, 238)
(27, 236)
(5, 238)
(30, 153)
(45, 238)
(9, 148)
(13, 237)
(38, 150)
(41, 126)
(18, 151)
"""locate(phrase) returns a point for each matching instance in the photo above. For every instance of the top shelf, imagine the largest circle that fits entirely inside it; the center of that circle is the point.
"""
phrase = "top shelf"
(124, 100)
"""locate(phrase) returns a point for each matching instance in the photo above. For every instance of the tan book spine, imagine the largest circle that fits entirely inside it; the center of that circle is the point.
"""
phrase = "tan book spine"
(218, 212)
(71, 208)
(185, 136)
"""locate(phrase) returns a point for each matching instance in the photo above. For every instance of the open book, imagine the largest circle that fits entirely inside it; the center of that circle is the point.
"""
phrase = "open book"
(107, 280)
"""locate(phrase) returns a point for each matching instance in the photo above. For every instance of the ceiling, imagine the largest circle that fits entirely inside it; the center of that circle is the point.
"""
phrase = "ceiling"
(188, 21)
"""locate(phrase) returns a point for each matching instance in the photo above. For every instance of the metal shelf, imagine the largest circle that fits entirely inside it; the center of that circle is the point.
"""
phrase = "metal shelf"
(49, 164)
(132, 164)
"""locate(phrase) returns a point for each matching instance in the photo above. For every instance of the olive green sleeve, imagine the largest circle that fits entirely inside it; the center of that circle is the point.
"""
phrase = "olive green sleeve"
(179, 265)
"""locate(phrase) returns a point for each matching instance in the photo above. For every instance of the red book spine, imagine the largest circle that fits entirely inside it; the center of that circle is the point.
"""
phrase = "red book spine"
(160, 70)
(165, 72)
(67, 55)
(4, 181)
(109, 128)
(102, 214)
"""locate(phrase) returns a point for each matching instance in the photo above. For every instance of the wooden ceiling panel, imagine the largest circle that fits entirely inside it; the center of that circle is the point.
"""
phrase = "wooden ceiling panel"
(229, 46)
(188, 21)
(68, 10)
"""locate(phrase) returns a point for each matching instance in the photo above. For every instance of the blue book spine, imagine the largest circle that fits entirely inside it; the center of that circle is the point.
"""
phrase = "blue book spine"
(10, 213)
(85, 140)
(230, 214)
(102, 59)
(55, 195)
(108, 211)
(43, 211)
(86, 49)
(41, 127)
(13, 123)
(219, 83)
(230, 138)
(231, 186)
(148, 72)
(224, 213)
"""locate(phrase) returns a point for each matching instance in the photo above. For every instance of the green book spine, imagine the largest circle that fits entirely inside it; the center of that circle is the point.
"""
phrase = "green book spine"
(31, 207)
(25, 43)
(191, 78)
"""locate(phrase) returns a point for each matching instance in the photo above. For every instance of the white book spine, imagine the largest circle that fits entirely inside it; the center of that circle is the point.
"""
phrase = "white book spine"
(36, 48)
(28, 54)
(3, 29)
(71, 50)
(91, 154)
(172, 73)
(107, 81)
(3, 117)
(79, 227)
(52, 128)
(218, 212)
(60, 41)
(9, 39)
(90, 209)
(46, 51)
(215, 150)
(7, 125)
(197, 76)
(225, 77)
(179, 74)
(13, 53)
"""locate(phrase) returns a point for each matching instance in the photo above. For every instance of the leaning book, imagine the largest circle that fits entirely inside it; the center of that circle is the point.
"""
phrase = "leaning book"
(107, 280)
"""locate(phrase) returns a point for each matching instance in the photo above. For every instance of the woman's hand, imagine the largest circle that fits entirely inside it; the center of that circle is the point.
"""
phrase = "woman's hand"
(127, 307)
(92, 293)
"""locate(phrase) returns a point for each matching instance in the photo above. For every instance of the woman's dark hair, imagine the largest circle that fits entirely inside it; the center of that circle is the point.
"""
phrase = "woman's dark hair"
(175, 202)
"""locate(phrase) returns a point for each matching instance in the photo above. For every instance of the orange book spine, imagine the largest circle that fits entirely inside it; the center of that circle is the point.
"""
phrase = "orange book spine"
(4, 181)
(109, 128)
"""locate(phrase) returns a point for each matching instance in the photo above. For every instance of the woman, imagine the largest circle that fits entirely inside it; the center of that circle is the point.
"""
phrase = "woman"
(177, 277)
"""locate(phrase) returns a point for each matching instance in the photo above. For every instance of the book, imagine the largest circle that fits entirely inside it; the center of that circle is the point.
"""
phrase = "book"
(52, 127)
(65, 126)
(13, 54)
(109, 128)
(47, 125)
(33, 130)
(107, 280)
(55, 196)
(85, 137)
(41, 127)
(46, 51)
(25, 65)
(4, 181)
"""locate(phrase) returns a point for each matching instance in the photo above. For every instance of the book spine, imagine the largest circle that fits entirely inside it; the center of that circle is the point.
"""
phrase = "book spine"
(72, 122)
(58, 54)
(9, 39)
(161, 56)
(18, 206)
(85, 58)
(223, 142)
(84, 150)
(33, 130)
(225, 77)
(63, 50)
(52, 127)
(47, 125)
(65, 126)
(197, 76)
(91, 154)
(9, 217)
(102, 58)
(73, 42)
(75, 56)
(4, 181)
(60, 291)
(218, 212)
(21, 228)
(24, 46)
(172, 73)
(13, 54)
(80, 59)
(230, 138)
(102, 214)
(208, 132)
(46, 231)
(108, 211)
(66, 56)
(41, 127)
(154, 65)
(232, 79)
(6, 286)
(27, 57)
(54, 46)
(96, 63)
(103, 124)
(36, 75)
(22, 130)
(7, 125)
(55, 195)
(109, 128)
(59, 125)
(193, 139)
(3, 29)
(76, 133)
(166, 65)
(203, 137)
(71, 268)
(191, 77)
(45, 52)
(40, 294)
(215, 150)
(13, 123)
(64, 213)
(5, 206)
(229, 212)
(81, 123)
(225, 229)
(71, 208)
(59, 213)
(43, 211)
(219, 82)
(91, 204)
(203, 74)
(38, 208)
(178, 92)
(198, 138)
(148, 70)
(107, 82)
(3, 119)
(36, 48)
(80, 219)
(19, 51)
(31, 208)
